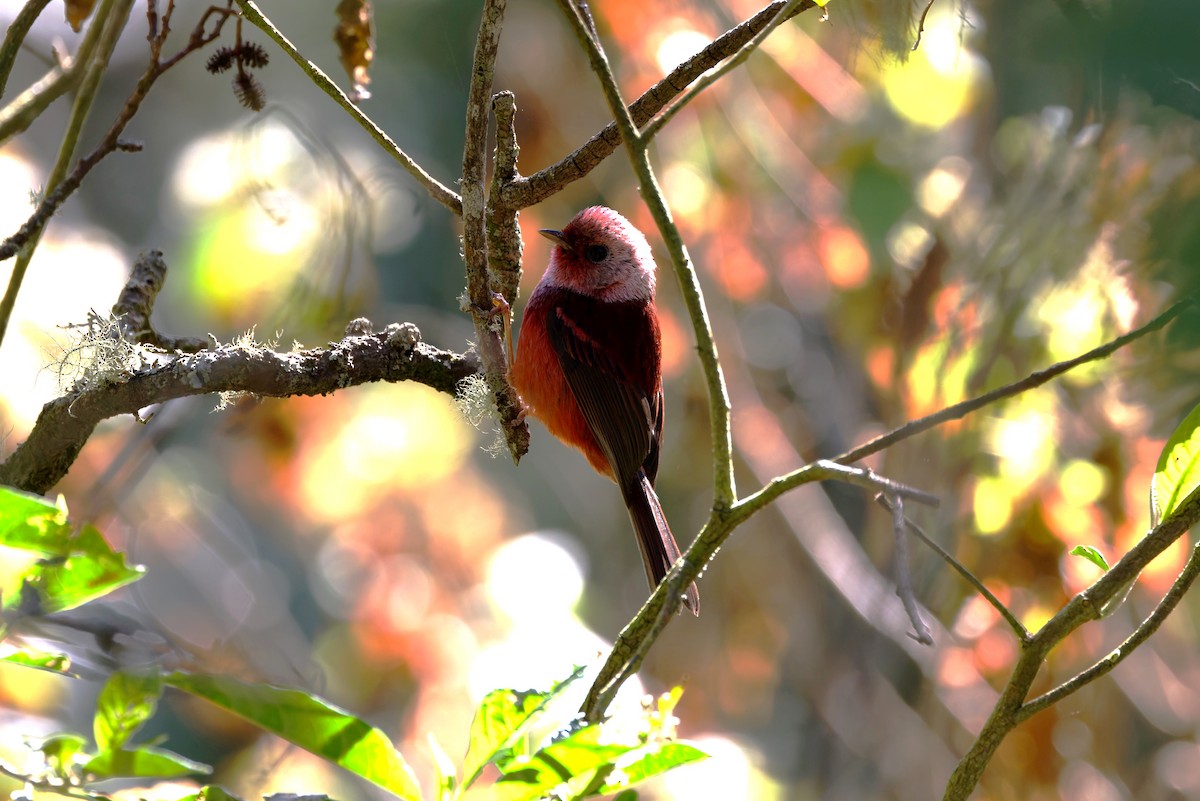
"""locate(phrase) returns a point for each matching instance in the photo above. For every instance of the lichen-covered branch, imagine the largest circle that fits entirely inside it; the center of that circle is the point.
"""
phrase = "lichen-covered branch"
(489, 312)
(64, 425)
(156, 376)
(136, 302)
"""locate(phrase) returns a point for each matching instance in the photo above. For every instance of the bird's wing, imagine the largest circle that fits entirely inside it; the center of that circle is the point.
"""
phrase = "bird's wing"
(624, 419)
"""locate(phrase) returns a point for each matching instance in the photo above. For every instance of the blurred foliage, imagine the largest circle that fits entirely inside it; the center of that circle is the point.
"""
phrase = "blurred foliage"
(879, 233)
(582, 760)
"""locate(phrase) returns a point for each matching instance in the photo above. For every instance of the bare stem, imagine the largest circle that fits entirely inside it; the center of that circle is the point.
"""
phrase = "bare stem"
(110, 20)
(14, 37)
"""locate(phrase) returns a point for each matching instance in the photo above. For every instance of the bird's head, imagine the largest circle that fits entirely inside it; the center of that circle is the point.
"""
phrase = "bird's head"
(599, 253)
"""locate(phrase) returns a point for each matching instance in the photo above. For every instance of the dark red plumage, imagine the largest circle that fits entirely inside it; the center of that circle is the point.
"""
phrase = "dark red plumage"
(589, 366)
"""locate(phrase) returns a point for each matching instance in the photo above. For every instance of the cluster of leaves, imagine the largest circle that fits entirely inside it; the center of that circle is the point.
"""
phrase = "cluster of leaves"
(75, 566)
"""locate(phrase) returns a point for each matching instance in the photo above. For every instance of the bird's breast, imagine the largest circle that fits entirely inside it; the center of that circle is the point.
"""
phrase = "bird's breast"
(538, 377)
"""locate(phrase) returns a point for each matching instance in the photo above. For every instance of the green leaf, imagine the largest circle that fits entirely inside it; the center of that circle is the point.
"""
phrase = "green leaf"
(76, 567)
(62, 751)
(142, 761)
(91, 570)
(1178, 471)
(39, 660)
(571, 762)
(1092, 555)
(210, 792)
(502, 717)
(32, 523)
(650, 761)
(125, 703)
(311, 723)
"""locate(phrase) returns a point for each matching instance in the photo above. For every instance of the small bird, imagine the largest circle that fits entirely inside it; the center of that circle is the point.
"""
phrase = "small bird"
(589, 366)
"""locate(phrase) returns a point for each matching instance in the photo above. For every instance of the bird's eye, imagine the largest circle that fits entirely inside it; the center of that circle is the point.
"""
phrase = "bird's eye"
(595, 253)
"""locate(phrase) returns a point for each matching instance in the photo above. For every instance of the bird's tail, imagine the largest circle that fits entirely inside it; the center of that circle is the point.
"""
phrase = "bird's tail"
(659, 550)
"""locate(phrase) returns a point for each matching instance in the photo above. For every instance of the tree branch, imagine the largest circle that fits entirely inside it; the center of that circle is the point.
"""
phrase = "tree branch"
(637, 637)
(709, 78)
(1085, 606)
(114, 15)
(488, 312)
(438, 191)
(136, 302)
(64, 425)
(14, 37)
(544, 183)
(960, 410)
(110, 21)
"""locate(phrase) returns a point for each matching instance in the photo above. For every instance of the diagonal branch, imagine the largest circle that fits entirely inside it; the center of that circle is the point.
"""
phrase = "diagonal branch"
(960, 410)
(635, 640)
(1151, 624)
(438, 191)
(1011, 709)
(544, 183)
(708, 79)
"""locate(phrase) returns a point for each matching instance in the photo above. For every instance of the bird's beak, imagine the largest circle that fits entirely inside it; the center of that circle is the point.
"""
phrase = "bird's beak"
(554, 236)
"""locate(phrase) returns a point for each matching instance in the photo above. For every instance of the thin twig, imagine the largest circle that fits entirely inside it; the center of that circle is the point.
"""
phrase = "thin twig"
(14, 37)
(921, 25)
(1151, 624)
(1016, 625)
(504, 244)
(904, 588)
(112, 15)
(1083, 607)
(504, 248)
(544, 183)
(709, 78)
(1031, 381)
(438, 191)
(826, 470)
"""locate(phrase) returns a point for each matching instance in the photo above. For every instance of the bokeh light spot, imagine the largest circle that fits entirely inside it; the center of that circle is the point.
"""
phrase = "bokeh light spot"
(686, 189)
(944, 185)
(397, 436)
(558, 587)
(847, 262)
(678, 46)
(1082, 482)
(937, 82)
(993, 505)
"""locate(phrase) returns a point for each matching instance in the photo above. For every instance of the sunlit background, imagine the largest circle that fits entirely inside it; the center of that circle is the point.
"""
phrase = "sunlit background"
(877, 237)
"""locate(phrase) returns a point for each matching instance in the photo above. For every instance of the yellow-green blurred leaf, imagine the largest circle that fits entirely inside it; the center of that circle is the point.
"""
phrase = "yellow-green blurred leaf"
(311, 723)
(1178, 471)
